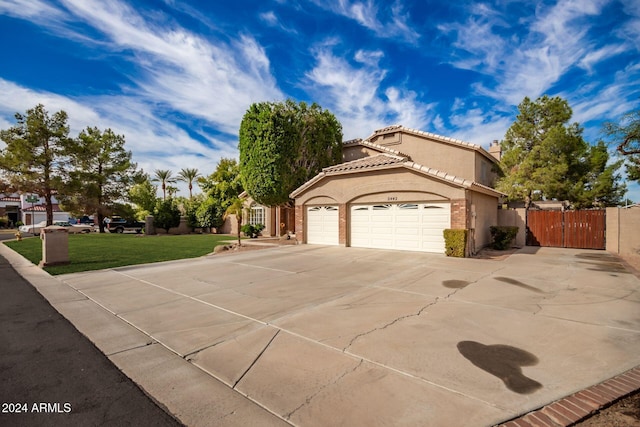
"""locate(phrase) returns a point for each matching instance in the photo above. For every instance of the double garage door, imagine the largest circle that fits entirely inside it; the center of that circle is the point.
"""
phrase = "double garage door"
(403, 226)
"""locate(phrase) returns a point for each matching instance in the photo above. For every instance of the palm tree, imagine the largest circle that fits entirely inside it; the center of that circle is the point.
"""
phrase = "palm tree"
(236, 208)
(163, 176)
(188, 175)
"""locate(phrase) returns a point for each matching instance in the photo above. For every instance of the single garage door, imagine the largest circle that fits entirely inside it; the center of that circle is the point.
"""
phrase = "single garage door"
(404, 226)
(322, 225)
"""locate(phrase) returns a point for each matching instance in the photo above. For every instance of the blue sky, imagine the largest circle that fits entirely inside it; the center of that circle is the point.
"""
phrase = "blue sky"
(175, 77)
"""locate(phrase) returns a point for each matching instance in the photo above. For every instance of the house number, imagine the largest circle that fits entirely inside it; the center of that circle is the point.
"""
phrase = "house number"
(391, 199)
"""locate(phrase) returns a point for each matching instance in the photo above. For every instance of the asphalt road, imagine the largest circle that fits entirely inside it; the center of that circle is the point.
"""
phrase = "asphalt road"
(51, 375)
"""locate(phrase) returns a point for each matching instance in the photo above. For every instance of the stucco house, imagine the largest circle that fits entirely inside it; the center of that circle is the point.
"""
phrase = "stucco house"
(17, 208)
(277, 220)
(399, 189)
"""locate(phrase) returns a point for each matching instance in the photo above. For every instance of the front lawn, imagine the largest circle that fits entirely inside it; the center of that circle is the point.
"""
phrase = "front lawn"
(98, 251)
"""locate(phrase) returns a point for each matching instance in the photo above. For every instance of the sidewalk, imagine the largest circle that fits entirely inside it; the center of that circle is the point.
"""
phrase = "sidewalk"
(55, 374)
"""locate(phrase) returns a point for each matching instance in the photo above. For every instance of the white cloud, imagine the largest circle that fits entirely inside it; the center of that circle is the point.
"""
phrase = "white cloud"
(213, 80)
(31, 9)
(556, 40)
(358, 97)
(271, 20)
(473, 124)
(156, 143)
(366, 14)
(369, 57)
(609, 102)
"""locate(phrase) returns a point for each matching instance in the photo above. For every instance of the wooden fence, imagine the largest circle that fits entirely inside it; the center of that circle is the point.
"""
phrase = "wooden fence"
(568, 229)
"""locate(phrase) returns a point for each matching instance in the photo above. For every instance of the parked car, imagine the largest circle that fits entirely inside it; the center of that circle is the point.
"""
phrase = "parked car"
(71, 228)
(120, 225)
(33, 228)
(86, 220)
(75, 228)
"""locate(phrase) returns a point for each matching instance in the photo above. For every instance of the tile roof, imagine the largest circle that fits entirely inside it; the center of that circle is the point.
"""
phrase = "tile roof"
(41, 208)
(383, 161)
(377, 147)
(376, 161)
(446, 139)
(9, 199)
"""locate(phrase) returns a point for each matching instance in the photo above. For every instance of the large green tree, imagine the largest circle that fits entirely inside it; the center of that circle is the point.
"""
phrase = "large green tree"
(626, 135)
(600, 185)
(284, 144)
(143, 194)
(546, 157)
(34, 153)
(99, 173)
(222, 187)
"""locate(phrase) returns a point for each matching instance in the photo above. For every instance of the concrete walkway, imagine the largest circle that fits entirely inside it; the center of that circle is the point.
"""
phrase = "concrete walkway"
(315, 336)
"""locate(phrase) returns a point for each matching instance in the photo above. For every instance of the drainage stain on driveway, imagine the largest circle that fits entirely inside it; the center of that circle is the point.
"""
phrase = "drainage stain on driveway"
(313, 335)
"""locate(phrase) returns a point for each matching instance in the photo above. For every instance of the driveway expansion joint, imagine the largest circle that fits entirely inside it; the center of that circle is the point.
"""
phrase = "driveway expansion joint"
(256, 359)
(311, 397)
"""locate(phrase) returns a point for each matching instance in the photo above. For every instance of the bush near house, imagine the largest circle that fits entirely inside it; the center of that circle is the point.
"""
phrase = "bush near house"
(252, 231)
(502, 236)
(455, 242)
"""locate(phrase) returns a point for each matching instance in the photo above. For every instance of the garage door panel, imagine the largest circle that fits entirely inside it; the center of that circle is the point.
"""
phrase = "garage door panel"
(405, 232)
(380, 229)
(322, 225)
(414, 226)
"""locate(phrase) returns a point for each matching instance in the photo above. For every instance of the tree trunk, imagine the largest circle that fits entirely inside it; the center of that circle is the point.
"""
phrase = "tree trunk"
(48, 207)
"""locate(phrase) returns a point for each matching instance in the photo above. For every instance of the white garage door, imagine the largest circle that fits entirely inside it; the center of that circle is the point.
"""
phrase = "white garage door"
(322, 225)
(405, 226)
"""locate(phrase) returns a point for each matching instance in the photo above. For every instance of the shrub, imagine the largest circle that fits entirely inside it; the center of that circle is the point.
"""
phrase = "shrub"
(209, 214)
(455, 242)
(190, 208)
(502, 236)
(4, 221)
(251, 230)
(166, 214)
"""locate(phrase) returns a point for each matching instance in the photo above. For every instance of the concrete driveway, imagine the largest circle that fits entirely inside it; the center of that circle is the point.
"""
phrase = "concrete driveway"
(316, 336)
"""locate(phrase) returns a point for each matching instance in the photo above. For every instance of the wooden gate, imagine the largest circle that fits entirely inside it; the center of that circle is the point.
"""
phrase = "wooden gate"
(569, 229)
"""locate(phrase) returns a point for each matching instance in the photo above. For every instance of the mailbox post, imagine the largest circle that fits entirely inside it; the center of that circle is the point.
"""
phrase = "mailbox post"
(55, 246)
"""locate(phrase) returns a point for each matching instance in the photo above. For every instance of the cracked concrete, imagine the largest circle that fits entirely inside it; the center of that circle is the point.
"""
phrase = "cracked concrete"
(313, 336)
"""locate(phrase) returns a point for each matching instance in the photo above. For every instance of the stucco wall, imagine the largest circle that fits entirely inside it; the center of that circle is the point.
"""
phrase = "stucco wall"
(453, 159)
(484, 214)
(396, 185)
(356, 152)
(623, 231)
(515, 218)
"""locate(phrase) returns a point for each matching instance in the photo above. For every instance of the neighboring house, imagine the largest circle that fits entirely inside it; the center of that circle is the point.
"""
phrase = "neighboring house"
(17, 208)
(399, 189)
(10, 207)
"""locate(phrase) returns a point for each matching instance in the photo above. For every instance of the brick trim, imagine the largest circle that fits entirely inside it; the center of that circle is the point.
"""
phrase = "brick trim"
(299, 221)
(581, 405)
(460, 209)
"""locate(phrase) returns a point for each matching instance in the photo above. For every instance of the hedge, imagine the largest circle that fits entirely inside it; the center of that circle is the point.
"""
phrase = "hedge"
(455, 241)
(502, 236)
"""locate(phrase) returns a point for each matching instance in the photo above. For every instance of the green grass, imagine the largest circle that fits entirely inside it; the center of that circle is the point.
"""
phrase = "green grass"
(98, 251)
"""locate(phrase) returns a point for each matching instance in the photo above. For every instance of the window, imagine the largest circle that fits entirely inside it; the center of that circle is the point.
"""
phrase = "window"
(256, 216)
